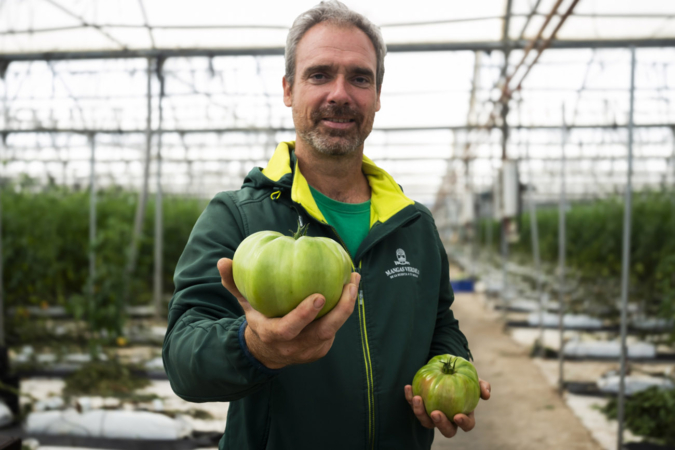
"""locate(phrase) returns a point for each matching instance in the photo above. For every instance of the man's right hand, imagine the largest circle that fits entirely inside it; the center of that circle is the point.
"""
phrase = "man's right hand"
(294, 338)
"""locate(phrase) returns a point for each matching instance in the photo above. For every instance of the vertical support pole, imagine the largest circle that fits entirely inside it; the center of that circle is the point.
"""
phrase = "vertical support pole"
(534, 227)
(143, 196)
(92, 220)
(92, 237)
(5, 110)
(671, 172)
(450, 197)
(625, 260)
(561, 258)
(505, 138)
(488, 228)
(12, 398)
(469, 182)
(506, 301)
(477, 206)
(3, 137)
(159, 215)
(476, 231)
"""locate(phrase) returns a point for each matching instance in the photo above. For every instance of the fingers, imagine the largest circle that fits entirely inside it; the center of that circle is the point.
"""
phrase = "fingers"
(327, 326)
(420, 412)
(227, 279)
(225, 269)
(437, 419)
(417, 406)
(485, 389)
(408, 394)
(290, 325)
(465, 422)
(445, 426)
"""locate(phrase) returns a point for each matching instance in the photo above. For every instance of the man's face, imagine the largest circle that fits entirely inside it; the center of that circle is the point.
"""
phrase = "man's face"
(334, 96)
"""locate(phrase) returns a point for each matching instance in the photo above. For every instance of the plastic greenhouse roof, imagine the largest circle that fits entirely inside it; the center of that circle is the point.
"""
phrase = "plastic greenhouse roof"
(36, 26)
(227, 111)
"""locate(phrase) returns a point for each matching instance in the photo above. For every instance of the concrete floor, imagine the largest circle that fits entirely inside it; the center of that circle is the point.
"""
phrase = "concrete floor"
(525, 412)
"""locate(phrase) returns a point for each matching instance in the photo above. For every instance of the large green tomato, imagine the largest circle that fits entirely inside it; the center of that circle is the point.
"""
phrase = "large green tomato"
(448, 384)
(276, 273)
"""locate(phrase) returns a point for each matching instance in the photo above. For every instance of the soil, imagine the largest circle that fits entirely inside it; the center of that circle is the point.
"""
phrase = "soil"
(525, 411)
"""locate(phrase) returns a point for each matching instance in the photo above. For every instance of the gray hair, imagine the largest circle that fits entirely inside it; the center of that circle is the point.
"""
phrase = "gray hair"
(337, 13)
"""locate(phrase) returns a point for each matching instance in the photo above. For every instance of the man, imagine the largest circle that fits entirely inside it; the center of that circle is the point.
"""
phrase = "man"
(343, 381)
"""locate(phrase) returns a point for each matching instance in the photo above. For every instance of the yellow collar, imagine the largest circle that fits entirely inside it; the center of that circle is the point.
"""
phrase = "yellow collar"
(386, 199)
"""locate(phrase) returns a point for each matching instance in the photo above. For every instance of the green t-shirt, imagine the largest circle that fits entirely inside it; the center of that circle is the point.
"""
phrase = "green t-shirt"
(350, 220)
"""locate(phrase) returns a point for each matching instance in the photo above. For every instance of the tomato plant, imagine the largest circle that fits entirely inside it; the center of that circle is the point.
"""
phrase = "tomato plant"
(46, 253)
(649, 413)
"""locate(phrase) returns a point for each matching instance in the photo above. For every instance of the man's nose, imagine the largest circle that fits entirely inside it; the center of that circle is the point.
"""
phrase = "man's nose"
(339, 93)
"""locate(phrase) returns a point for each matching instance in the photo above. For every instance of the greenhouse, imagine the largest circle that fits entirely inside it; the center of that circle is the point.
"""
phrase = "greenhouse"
(540, 134)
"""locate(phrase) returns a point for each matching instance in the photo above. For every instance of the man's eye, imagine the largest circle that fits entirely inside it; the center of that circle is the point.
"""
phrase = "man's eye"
(318, 77)
(361, 80)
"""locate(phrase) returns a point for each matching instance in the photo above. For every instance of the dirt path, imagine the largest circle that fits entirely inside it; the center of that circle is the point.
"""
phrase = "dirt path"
(525, 412)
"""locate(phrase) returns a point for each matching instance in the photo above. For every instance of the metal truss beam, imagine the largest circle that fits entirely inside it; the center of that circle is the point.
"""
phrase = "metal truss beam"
(292, 130)
(253, 160)
(279, 51)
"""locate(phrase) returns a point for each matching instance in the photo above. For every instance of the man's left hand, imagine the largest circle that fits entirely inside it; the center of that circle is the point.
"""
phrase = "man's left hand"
(438, 419)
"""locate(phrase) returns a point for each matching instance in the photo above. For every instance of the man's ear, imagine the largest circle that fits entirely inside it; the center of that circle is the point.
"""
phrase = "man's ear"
(288, 95)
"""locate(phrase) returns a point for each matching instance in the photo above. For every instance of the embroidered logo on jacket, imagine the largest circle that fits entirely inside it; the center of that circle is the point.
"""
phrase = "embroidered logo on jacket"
(400, 256)
(403, 268)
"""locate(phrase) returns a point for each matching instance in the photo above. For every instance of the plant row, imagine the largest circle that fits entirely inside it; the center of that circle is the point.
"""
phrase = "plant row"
(594, 243)
(46, 248)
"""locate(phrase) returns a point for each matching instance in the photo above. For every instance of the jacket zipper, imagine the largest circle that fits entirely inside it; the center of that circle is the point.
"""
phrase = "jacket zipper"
(369, 366)
(366, 354)
(364, 339)
(366, 349)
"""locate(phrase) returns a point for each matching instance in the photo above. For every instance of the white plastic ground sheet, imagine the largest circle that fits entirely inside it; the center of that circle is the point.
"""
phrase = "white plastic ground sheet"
(611, 349)
(604, 431)
(155, 364)
(108, 424)
(28, 354)
(653, 324)
(524, 305)
(532, 306)
(37, 446)
(6, 416)
(50, 403)
(634, 383)
(569, 320)
(47, 393)
(34, 444)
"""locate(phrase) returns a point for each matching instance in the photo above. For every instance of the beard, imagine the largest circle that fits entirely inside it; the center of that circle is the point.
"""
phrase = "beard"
(334, 142)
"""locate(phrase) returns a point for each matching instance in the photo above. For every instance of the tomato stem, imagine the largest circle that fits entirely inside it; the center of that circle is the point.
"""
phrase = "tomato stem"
(447, 369)
(302, 231)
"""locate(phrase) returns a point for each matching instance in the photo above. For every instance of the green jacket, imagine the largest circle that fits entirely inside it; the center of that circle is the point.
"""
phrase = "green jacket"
(353, 397)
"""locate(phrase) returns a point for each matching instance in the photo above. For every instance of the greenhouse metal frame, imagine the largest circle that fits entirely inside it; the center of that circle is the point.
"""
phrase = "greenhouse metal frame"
(637, 153)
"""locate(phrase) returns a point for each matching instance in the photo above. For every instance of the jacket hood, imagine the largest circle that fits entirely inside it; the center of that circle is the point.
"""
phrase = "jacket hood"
(283, 174)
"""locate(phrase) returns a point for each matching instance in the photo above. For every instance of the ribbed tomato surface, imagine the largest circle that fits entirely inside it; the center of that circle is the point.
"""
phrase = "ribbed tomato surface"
(448, 384)
(276, 272)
